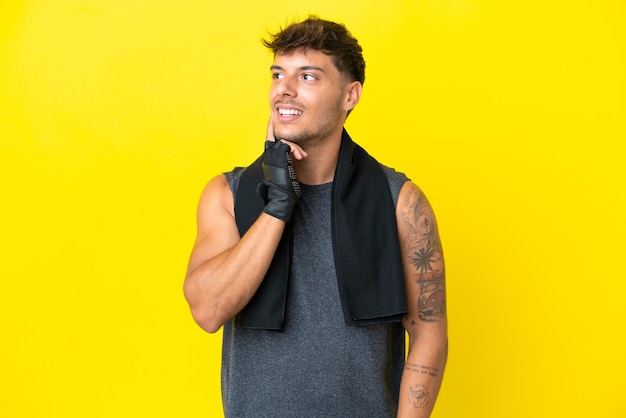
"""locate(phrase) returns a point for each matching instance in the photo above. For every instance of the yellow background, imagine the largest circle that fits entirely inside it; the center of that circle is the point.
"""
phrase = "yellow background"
(114, 114)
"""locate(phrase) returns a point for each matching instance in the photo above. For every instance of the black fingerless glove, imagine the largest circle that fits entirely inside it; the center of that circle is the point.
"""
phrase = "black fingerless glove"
(280, 189)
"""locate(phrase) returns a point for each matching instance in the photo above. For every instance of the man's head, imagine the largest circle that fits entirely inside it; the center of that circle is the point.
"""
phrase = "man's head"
(331, 38)
(317, 78)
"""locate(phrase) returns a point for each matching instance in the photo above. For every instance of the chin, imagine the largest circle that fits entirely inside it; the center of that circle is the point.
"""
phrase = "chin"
(288, 135)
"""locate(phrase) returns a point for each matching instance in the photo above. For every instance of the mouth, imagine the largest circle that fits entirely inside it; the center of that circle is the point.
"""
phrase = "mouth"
(289, 112)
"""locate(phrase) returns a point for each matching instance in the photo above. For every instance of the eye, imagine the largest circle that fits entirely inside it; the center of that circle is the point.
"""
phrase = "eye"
(277, 76)
(308, 77)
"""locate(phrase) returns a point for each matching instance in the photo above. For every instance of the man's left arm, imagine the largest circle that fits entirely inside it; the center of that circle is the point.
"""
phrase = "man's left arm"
(426, 321)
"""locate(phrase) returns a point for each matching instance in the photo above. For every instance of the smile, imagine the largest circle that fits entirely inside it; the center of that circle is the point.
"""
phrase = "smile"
(289, 112)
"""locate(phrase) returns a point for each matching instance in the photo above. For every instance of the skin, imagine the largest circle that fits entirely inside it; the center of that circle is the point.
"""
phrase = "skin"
(309, 102)
(426, 322)
(310, 83)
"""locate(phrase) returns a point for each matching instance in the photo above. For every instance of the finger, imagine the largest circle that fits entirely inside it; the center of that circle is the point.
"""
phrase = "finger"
(297, 152)
(269, 136)
(295, 149)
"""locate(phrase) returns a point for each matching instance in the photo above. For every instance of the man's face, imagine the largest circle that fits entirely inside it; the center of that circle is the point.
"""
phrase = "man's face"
(307, 97)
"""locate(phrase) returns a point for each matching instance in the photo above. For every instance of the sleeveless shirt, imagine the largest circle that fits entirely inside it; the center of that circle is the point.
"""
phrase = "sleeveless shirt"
(317, 366)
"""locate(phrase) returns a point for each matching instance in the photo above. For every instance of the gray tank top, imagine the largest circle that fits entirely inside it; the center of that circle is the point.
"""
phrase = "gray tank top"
(317, 366)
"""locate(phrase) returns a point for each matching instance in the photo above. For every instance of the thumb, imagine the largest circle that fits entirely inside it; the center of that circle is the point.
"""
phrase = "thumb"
(269, 136)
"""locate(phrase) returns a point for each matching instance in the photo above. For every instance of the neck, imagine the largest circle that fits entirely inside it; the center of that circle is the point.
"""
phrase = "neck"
(320, 164)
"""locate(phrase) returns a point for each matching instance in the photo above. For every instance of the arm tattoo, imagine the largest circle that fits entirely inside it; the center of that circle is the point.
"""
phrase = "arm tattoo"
(419, 395)
(426, 257)
(422, 369)
(423, 228)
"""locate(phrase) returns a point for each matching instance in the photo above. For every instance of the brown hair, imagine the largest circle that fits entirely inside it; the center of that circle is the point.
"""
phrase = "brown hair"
(331, 38)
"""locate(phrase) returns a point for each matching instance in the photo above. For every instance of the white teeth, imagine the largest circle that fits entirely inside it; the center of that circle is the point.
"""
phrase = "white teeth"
(289, 112)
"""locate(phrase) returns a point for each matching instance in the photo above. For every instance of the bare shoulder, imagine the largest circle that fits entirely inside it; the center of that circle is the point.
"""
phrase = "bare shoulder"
(216, 199)
(416, 218)
(216, 226)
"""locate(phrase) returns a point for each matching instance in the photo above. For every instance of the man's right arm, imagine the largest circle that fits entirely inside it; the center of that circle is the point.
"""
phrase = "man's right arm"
(225, 270)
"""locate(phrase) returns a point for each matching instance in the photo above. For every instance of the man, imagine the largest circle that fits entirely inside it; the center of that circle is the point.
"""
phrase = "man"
(316, 258)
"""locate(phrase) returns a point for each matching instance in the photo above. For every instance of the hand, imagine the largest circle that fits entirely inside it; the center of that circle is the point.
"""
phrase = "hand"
(280, 188)
(297, 152)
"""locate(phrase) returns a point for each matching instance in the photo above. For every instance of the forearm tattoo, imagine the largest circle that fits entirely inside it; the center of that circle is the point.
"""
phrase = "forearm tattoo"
(419, 394)
(426, 256)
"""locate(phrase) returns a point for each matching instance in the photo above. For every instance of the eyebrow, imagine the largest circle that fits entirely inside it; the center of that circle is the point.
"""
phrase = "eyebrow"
(303, 68)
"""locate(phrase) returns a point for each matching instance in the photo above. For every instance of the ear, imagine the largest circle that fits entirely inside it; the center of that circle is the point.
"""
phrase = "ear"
(353, 95)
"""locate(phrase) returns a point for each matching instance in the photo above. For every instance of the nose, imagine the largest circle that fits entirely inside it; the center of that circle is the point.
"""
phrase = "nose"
(285, 87)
